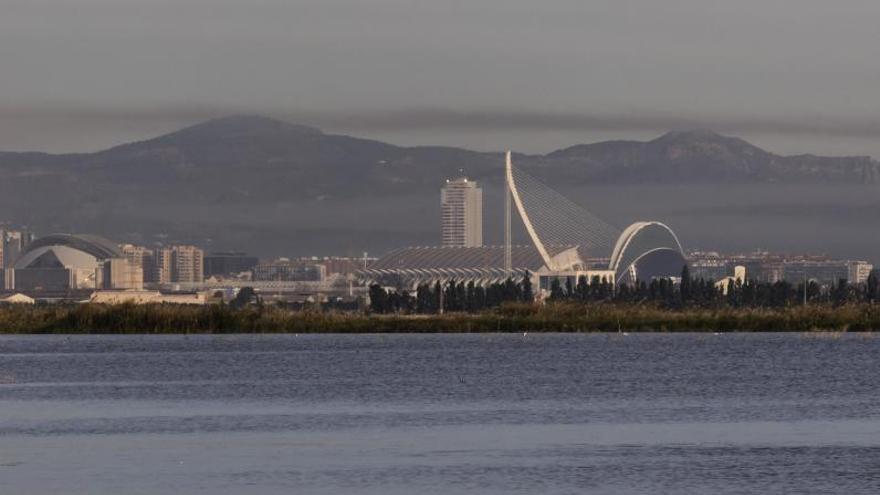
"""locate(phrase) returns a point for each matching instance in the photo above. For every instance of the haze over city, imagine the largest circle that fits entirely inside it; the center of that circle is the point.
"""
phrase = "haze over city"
(789, 76)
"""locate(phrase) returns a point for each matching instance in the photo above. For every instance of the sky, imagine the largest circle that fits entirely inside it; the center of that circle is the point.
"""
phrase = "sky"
(792, 76)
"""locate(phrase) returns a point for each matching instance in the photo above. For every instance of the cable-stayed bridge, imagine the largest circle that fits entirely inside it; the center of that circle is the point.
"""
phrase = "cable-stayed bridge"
(554, 221)
(567, 242)
(564, 233)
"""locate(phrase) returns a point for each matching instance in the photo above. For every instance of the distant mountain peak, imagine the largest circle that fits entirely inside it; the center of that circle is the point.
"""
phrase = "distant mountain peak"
(704, 144)
(242, 126)
(693, 135)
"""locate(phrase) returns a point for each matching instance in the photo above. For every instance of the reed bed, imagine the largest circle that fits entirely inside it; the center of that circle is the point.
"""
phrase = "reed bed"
(519, 317)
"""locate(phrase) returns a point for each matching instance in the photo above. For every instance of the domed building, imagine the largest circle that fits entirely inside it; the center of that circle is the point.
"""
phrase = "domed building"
(63, 262)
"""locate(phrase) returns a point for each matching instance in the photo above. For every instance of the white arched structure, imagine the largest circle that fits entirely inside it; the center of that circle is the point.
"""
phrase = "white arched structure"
(554, 223)
(71, 261)
(639, 241)
(517, 200)
(564, 232)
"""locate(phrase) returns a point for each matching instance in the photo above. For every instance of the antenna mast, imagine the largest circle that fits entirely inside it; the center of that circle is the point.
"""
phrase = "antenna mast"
(508, 248)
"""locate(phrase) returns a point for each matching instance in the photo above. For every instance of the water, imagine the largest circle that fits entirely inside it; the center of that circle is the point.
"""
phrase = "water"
(440, 414)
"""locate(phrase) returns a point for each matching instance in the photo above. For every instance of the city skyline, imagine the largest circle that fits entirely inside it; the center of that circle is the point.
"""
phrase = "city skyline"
(568, 246)
(420, 246)
(266, 186)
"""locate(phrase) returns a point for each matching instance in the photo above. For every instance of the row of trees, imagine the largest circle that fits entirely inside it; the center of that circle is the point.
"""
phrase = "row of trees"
(689, 292)
(779, 294)
(698, 292)
(595, 290)
(453, 296)
(129, 318)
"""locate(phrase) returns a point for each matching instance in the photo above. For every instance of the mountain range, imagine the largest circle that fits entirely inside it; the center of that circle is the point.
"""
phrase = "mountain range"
(238, 181)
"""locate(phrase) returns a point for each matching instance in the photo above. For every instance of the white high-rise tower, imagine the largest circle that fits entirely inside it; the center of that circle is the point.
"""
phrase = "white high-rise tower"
(462, 213)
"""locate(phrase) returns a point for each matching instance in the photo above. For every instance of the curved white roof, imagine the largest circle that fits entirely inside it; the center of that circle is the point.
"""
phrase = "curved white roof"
(640, 239)
(67, 256)
(70, 251)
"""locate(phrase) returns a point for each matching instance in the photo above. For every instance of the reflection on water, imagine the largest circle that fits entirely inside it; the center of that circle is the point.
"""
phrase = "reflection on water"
(440, 414)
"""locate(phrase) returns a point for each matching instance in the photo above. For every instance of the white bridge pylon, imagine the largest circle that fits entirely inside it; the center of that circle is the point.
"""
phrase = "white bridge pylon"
(553, 221)
(511, 187)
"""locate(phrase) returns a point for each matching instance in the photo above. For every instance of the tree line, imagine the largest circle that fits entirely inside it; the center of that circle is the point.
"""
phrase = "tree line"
(452, 296)
(703, 293)
(688, 292)
(128, 318)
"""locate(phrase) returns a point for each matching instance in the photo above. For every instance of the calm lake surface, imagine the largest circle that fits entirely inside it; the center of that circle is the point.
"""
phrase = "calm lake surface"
(444, 414)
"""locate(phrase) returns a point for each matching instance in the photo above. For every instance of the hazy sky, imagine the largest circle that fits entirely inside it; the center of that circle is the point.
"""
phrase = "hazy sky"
(790, 75)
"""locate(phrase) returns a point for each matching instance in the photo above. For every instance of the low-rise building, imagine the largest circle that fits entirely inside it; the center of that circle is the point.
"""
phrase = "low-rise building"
(768, 267)
(738, 278)
(18, 299)
(346, 265)
(122, 273)
(228, 263)
(147, 297)
(859, 271)
(286, 270)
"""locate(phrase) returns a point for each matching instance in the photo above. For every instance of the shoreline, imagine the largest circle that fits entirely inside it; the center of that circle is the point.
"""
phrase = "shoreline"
(513, 318)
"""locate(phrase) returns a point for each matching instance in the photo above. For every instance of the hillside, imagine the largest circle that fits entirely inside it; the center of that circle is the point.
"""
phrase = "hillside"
(700, 157)
(250, 182)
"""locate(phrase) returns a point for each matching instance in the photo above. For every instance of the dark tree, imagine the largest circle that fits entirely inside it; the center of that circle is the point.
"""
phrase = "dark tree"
(450, 297)
(438, 297)
(569, 289)
(471, 297)
(479, 298)
(582, 289)
(378, 299)
(873, 288)
(245, 297)
(686, 285)
(527, 294)
(733, 289)
(512, 291)
(814, 292)
(606, 289)
(840, 293)
(624, 293)
(556, 293)
(425, 300)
